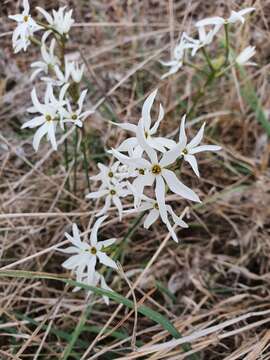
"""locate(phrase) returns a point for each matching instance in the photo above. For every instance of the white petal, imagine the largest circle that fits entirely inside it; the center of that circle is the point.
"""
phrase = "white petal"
(160, 196)
(45, 14)
(97, 194)
(146, 110)
(37, 121)
(143, 143)
(94, 232)
(171, 155)
(193, 163)
(39, 135)
(118, 204)
(51, 135)
(106, 207)
(72, 262)
(197, 138)
(153, 130)
(151, 218)
(210, 21)
(178, 187)
(205, 148)
(69, 250)
(126, 126)
(106, 243)
(105, 260)
(177, 220)
(182, 133)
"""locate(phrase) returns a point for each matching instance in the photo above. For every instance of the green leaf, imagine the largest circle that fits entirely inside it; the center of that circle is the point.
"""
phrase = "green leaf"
(142, 309)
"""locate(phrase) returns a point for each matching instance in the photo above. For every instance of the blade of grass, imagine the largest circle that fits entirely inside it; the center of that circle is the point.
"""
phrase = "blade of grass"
(142, 309)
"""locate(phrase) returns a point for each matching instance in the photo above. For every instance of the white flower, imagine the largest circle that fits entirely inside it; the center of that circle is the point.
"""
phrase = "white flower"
(155, 171)
(159, 143)
(75, 117)
(61, 21)
(245, 55)
(49, 60)
(49, 115)
(178, 54)
(97, 278)
(86, 255)
(113, 193)
(187, 150)
(234, 17)
(205, 38)
(75, 71)
(25, 28)
(154, 213)
(108, 174)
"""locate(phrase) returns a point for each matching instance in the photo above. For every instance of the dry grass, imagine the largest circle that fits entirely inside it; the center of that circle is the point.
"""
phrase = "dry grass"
(214, 285)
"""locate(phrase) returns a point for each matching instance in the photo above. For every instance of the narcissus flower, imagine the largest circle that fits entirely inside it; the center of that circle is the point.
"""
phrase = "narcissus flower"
(159, 143)
(244, 57)
(151, 205)
(25, 28)
(49, 115)
(61, 21)
(236, 16)
(113, 194)
(156, 171)
(188, 150)
(75, 117)
(86, 255)
(205, 38)
(48, 62)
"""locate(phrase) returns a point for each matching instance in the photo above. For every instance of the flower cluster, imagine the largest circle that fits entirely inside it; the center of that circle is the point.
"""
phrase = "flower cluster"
(86, 255)
(207, 30)
(146, 167)
(63, 101)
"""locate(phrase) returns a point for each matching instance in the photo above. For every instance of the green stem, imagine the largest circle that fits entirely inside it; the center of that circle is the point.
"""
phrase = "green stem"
(201, 93)
(66, 159)
(207, 58)
(75, 160)
(85, 161)
(227, 44)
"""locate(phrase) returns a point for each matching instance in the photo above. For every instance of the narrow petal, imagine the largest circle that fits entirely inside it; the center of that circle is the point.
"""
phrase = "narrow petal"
(45, 14)
(151, 218)
(143, 143)
(72, 262)
(106, 207)
(97, 194)
(178, 187)
(105, 260)
(182, 133)
(193, 163)
(216, 20)
(69, 250)
(39, 135)
(205, 148)
(126, 126)
(51, 135)
(94, 232)
(153, 130)
(106, 243)
(146, 109)
(37, 121)
(170, 156)
(118, 204)
(197, 138)
(160, 196)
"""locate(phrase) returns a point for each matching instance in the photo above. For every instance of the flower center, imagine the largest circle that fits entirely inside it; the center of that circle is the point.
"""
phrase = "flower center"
(156, 169)
(112, 192)
(25, 18)
(110, 174)
(141, 171)
(93, 250)
(156, 206)
(146, 134)
(74, 117)
(48, 117)
(185, 152)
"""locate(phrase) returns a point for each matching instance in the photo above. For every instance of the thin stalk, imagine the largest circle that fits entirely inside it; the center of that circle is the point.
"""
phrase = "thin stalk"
(201, 93)
(207, 58)
(76, 137)
(227, 44)
(66, 159)
(85, 161)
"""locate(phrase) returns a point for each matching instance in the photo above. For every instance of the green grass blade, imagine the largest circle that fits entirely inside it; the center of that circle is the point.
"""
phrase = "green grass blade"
(142, 309)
